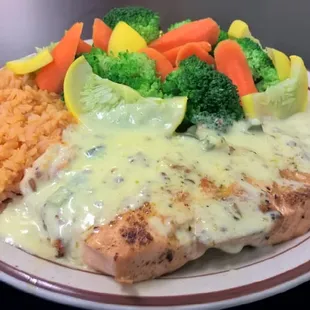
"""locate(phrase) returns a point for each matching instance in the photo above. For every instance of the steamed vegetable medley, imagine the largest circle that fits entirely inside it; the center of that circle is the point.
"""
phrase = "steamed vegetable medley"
(193, 73)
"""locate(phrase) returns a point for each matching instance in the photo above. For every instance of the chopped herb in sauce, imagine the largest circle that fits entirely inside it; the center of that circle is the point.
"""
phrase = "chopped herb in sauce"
(93, 151)
(165, 176)
(189, 181)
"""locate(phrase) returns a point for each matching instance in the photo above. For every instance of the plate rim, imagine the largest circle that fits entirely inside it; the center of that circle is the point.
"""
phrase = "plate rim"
(210, 300)
(301, 272)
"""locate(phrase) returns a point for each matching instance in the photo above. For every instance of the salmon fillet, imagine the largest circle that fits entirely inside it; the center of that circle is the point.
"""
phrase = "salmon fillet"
(131, 250)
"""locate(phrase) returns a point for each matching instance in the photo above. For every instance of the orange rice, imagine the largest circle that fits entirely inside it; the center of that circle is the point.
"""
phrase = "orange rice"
(30, 121)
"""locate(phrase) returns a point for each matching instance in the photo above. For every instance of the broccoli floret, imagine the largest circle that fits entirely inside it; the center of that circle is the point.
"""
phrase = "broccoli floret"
(212, 98)
(222, 36)
(263, 70)
(143, 20)
(178, 24)
(132, 69)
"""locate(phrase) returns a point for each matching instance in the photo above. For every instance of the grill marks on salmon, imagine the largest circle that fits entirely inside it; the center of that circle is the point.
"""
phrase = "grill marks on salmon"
(297, 176)
(293, 207)
(131, 250)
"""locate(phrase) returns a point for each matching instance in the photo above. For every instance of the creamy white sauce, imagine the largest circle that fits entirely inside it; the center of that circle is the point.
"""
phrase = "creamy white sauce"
(100, 173)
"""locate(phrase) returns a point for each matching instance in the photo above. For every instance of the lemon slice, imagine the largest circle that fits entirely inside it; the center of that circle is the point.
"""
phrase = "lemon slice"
(281, 63)
(239, 29)
(283, 99)
(101, 102)
(30, 64)
(163, 116)
(74, 82)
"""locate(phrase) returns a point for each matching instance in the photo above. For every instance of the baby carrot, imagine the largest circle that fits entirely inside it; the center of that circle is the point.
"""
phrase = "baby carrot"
(51, 77)
(231, 61)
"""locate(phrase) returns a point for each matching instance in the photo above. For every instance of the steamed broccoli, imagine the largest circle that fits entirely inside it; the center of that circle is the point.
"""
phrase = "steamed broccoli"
(143, 20)
(222, 36)
(212, 98)
(132, 69)
(263, 70)
(178, 24)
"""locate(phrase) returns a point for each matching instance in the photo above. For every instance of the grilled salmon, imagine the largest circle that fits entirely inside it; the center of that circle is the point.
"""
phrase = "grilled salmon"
(137, 211)
(132, 250)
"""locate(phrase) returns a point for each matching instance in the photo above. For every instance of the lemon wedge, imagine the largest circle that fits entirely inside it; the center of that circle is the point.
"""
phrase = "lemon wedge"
(30, 64)
(283, 99)
(125, 38)
(239, 29)
(100, 102)
(281, 62)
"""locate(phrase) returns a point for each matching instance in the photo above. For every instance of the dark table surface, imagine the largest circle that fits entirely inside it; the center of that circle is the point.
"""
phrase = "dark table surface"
(24, 24)
(296, 299)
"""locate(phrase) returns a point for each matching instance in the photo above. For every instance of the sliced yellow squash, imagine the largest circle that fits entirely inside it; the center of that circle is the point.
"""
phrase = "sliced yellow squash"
(281, 63)
(283, 99)
(30, 64)
(125, 38)
(239, 29)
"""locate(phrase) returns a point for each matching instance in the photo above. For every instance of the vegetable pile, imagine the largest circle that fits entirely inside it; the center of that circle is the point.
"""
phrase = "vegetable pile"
(226, 75)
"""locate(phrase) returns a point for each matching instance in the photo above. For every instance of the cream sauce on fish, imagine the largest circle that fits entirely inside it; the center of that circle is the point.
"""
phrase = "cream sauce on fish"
(102, 172)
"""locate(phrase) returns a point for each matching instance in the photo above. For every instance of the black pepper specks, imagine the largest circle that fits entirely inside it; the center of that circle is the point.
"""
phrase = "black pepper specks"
(165, 176)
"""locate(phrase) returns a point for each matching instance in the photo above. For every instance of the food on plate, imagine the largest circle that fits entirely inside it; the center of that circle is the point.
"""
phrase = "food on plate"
(239, 29)
(136, 70)
(281, 62)
(231, 61)
(143, 20)
(101, 34)
(198, 49)
(196, 31)
(31, 121)
(163, 65)
(212, 97)
(283, 99)
(125, 39)
(30, 64)
(178, 24)
(51, 77)
(263, 70)
(136, 153)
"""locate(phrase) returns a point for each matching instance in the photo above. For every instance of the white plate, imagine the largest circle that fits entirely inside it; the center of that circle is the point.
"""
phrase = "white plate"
(215, 281)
